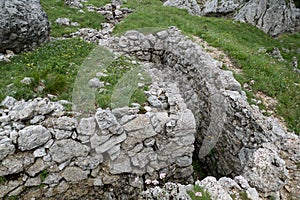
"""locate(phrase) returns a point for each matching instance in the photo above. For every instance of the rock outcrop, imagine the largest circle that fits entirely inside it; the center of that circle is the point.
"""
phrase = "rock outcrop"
(273, 17)
(23, 25)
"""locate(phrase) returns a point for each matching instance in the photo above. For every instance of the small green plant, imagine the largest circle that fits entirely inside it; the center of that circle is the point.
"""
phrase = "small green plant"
(243, 195)
(43, 175)
(198, 171)
(13, 197)
(2, 180)
(199, 193)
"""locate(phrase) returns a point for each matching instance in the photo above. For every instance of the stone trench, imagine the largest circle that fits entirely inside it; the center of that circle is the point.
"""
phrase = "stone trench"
(197, 111)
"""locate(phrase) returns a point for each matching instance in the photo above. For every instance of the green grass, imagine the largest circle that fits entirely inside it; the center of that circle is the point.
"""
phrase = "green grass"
(197, 189)
(57, 8)
(53, 66)
(241, 42)
(116, 71)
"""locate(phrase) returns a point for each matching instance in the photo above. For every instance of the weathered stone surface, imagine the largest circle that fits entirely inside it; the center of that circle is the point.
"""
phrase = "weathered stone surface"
(66, 123)
(168, 191)
(37, 167)
(32, 137)
(33, 181)
(61, 134)
(191, 5)
(15, 163)
(110, 143)
(7, 187)
(273, 17)
(87, 126)
(121, 165)
(63, 150)
(223, 7)
(215, 189)
(8, 102)
(52, 178)
(74, 174)
(6, 147)
(89, 162)
(23, 25)
(266, 171)
(107, 121)
(138, 129)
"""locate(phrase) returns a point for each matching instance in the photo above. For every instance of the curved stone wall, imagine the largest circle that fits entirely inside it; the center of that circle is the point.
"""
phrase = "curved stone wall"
(229, 130)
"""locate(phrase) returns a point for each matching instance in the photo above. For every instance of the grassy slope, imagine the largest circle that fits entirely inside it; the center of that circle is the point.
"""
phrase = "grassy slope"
(241, 42)
(57, 8)
(57, 62)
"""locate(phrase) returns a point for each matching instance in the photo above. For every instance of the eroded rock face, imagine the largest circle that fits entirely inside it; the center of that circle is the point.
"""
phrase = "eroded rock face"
(23, 25)
(273, 17)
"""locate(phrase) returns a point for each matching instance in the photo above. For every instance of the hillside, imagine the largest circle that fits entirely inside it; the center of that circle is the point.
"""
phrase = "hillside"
(262, 72)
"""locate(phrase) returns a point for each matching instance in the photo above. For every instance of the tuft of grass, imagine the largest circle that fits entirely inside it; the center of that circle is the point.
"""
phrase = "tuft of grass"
(241, 42)
(57, 8)
(43, 175)
(196, 190)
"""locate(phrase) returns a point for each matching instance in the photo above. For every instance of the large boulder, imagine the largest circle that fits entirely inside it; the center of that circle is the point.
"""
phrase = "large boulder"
(23, 25)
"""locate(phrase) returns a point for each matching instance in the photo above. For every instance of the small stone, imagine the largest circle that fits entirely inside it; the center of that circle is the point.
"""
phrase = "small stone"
(98, 182)
(66, 123)
(32, 137)
(87, 126)
(6, 147)
(37, 119)
(63, 21)
(74, 174)
(8, 102)
(37, 167)
(33, 182)
(154, 101)
(96, 83)
(52, 178)
(39, 152)
(66, 149)
(26, 80)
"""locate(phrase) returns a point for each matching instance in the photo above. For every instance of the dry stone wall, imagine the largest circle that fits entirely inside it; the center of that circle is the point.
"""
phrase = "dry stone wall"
(47, 152)
(239, 133)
